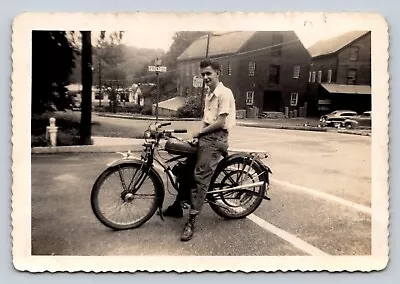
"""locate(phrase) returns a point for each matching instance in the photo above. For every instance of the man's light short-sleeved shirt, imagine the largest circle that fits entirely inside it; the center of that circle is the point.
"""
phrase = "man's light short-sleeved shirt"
(221, 101)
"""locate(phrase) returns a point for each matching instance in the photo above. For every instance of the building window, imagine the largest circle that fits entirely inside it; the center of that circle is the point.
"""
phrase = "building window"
(313, 77)
(229, 69)
(296, 72)
(351, 76)
(252, 68)
(309, 77)
(354, 50)
(274, 74)
(187, 70)
(329, 80)
(293, 99)
(249, 98)
(193, 69)
(222, 69)
(319, 76)
(276, 49)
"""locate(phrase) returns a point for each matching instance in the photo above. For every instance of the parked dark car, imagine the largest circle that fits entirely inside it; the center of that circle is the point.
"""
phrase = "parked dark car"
(360, 121)
(337, 118)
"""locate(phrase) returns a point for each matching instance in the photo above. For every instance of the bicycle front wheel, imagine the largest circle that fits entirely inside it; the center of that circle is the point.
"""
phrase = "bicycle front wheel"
(125, 196)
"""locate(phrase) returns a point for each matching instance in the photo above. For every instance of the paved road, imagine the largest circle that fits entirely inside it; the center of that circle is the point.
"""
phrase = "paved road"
(320, 191)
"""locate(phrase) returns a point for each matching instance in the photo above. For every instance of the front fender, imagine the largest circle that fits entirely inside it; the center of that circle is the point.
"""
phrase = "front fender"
(160, 190)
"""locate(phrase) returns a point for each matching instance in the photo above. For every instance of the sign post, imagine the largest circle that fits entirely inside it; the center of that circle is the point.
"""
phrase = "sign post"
(157, 68)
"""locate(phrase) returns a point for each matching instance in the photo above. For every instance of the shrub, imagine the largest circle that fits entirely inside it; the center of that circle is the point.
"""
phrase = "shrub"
(147, 110)
(103, 108)
(68, 128)
(131, 108)
(191, 108)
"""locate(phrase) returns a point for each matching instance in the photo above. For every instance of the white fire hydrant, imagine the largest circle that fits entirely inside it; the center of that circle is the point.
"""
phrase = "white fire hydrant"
(52, 131)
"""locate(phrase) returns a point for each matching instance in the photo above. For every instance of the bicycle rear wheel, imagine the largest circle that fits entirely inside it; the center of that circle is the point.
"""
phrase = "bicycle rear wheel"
(125, 196)
(236, 204)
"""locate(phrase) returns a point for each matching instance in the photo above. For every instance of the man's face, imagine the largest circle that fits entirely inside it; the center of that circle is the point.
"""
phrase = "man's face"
(210, 76)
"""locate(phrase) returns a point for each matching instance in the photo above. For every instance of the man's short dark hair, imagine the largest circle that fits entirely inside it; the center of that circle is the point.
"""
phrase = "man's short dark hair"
(210, 62)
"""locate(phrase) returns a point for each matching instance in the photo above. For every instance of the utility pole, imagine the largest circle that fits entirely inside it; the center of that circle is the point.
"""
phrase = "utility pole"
(204, 84)
(99, 82)
(86, 105)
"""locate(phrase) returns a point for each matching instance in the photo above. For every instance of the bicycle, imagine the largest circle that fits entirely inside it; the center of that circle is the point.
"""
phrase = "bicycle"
(238, 186)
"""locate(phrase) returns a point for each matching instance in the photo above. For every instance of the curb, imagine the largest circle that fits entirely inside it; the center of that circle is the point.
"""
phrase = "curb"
(124, 116)
(304, 128)
(309, 128)
(87, 149)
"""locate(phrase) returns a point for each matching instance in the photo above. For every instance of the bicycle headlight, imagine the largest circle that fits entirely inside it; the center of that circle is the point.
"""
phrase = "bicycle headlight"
(147, 134)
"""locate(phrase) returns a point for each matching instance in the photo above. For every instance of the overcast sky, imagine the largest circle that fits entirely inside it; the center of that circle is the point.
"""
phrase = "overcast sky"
(163, 39)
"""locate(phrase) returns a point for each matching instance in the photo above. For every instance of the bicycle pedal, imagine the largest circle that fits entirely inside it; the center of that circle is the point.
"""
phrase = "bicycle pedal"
(185, 205)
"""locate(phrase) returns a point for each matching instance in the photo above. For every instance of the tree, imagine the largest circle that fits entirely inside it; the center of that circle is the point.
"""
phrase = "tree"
(169, 81)
(52, 63)
(86, 105)
(87, 81)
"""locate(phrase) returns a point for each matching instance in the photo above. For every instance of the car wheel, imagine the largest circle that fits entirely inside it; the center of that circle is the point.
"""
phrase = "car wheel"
(349, 126)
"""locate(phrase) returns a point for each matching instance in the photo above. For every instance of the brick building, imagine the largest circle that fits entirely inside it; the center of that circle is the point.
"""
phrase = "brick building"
(266, 69)
(340, 74)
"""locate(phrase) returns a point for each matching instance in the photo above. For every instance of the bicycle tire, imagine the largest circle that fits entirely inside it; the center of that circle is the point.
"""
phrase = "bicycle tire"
(106, 175)
(225, 210)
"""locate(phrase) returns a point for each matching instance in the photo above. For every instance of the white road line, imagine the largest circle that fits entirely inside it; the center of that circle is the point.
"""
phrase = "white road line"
(323, 195)
(292, 239)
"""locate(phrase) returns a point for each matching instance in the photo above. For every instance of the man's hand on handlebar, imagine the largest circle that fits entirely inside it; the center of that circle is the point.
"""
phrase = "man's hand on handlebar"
(193, 141)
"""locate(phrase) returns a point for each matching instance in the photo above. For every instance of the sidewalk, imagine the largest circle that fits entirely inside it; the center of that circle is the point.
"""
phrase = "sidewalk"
(100, 145)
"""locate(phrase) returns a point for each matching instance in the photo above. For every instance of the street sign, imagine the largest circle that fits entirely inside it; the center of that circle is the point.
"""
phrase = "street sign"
(197, 81)
(157, 69)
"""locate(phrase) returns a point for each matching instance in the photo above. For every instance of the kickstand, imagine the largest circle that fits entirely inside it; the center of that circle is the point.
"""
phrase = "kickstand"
(160, 213)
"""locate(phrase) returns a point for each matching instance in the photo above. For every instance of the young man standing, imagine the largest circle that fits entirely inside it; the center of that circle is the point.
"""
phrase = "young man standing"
(219, 117)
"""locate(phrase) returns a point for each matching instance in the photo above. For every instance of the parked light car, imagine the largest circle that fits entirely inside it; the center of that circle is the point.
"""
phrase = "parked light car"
(359, 121)
(337, 118)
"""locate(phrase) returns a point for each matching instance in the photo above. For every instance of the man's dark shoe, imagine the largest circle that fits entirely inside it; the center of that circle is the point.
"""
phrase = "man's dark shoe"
(187, 234)
(174, 210)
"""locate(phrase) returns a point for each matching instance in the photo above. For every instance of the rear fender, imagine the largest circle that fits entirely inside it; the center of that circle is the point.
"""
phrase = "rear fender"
(160, 191)
(229, 158)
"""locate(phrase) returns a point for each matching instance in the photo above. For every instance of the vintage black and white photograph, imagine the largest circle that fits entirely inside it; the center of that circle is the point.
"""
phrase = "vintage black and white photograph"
(250, 142)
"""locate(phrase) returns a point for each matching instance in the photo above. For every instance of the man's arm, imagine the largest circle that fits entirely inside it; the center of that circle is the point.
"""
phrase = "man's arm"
(218, 124)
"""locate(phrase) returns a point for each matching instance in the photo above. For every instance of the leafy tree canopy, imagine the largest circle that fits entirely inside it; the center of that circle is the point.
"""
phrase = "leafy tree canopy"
(52, 63)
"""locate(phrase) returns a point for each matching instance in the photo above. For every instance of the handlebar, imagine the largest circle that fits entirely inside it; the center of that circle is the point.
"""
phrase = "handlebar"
(180, 130)
(154, 131)
(165, 124)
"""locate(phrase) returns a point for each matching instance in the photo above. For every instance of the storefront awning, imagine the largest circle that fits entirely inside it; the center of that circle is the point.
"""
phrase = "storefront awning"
(347, 89)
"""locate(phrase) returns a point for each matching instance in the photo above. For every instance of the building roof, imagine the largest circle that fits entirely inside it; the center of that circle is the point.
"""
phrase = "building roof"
(220, 44)
(347, 89)
(332, 45)
(172, 104)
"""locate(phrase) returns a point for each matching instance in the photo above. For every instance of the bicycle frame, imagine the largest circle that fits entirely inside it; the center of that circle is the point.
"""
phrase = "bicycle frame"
(149, 158)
